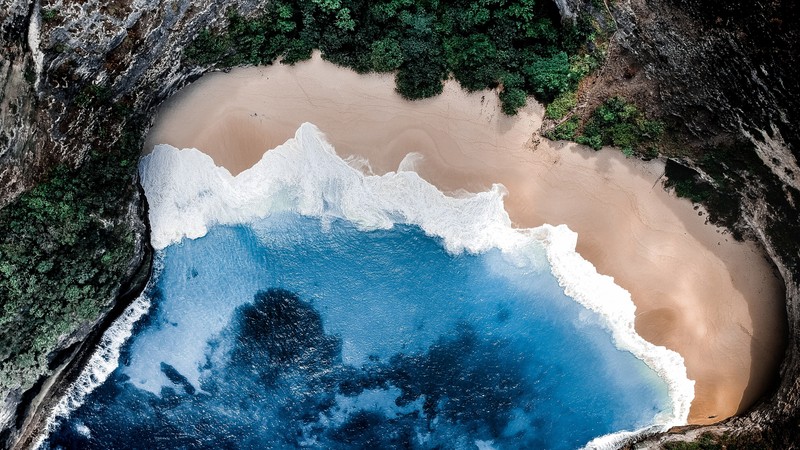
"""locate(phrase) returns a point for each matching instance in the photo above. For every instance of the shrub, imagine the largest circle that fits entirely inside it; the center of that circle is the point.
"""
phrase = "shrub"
(562, 105)
(549, 76)
(512, 96)
(478, 43)
(419, 81)
(619, 123)
(564, 131)
(206, 48)
(386, 55)
(50, 14)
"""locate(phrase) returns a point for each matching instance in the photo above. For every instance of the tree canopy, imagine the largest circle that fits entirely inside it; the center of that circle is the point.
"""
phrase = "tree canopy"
(518, 46)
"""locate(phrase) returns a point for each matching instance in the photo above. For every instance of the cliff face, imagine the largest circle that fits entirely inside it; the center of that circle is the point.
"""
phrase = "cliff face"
(16, 103)
(55, 50)
(78, 79)
(725, 78)
(77, 76)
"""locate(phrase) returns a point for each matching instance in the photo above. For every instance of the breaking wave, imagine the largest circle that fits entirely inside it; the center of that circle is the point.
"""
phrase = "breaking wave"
(188, 194)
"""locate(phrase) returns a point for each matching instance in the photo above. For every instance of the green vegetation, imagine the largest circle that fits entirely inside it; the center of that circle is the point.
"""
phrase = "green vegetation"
(732, 169)
(63, 251)
(49, 14)
(718, 192)
(615, 122)
(688, 184)
(518, 46)
(562, 105)
(619, 123)
(728, 169)
(565, 131)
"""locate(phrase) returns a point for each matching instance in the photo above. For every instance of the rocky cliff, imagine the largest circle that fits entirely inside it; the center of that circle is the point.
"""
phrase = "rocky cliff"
(79, 84)
(724, 77)
(78, 78)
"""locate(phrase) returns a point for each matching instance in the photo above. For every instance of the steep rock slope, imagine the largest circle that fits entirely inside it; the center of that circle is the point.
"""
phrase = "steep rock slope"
(79, 82)
(725, 78)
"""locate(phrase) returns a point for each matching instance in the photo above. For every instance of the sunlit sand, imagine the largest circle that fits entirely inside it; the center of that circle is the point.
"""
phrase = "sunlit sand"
(715, 301)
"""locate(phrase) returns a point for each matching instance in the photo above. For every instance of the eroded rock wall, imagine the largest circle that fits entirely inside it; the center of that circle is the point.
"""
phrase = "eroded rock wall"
(17, 104)
(74, 76)
(725, 75)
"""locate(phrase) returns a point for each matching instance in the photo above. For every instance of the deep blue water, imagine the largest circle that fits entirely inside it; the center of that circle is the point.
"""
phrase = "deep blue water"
(294, 332)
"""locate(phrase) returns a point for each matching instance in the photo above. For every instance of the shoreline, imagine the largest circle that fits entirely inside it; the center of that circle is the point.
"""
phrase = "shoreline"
(41, 408)
(715, 301)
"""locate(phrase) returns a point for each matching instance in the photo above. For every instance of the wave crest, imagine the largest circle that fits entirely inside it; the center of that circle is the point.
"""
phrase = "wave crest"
(188, 193)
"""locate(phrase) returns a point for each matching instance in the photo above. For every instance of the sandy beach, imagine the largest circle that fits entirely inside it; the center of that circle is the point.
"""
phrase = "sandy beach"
(697, 291)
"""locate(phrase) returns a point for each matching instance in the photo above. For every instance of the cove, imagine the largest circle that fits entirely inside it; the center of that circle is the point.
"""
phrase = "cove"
(293, 332)
(305, 302)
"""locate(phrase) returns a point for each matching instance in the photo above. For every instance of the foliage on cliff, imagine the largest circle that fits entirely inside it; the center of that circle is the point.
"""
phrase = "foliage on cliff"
(722, 173)
(520, 46)
(703, 87)
(616, 122)
(63, 250)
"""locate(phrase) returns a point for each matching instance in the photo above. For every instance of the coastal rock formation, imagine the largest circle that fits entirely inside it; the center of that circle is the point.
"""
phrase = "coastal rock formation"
(724, 78)
(55, 51)
(16, 101)
(77, 76)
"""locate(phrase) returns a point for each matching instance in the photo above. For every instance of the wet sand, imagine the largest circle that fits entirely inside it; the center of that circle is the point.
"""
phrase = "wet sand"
(697, 291)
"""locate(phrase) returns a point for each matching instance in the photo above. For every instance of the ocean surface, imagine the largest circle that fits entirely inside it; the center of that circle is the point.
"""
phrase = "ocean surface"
(304, 303)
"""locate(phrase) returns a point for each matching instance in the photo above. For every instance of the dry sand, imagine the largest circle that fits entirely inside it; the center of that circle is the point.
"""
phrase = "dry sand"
(715, 301)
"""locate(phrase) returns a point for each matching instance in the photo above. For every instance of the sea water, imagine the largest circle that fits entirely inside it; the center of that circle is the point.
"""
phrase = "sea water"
(306, 304)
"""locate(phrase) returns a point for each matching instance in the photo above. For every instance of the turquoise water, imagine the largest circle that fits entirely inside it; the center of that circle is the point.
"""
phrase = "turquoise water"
(293, 331)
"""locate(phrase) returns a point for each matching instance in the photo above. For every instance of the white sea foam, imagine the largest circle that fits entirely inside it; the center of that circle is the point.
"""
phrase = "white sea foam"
(616, 440)
(100, 365)
(188, 193)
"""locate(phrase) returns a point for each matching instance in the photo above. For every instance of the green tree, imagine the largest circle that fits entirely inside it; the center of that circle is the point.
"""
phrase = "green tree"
(473, 60)
(512, 96)
(386, 55)
(419, 79)
(344, 21)
(549, 76)
(619, 123)
(426, 41)
(561, 105)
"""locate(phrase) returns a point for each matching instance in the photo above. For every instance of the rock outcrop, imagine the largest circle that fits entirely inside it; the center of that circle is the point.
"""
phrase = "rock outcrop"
(719, 73)
(75, 76)
(725, 78)
(17, 104)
